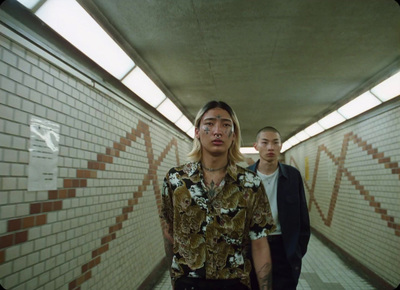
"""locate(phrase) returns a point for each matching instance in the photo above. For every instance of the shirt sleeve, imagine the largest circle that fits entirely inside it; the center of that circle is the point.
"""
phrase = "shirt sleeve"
(167, 205)
(262, 222)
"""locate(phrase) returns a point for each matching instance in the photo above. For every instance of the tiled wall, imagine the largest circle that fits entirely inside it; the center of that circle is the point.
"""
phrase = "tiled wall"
(352, 181)
(100, 229)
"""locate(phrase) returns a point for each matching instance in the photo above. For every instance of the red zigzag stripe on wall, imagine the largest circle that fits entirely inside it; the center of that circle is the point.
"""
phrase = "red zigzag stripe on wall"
(18, 228)
(344, 172)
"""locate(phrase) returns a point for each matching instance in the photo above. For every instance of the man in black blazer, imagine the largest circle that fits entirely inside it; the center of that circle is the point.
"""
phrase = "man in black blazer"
(285, 190)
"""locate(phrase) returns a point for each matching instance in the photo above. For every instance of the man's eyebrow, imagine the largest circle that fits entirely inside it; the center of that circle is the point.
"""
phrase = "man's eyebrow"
(266, 139)
(214, 119)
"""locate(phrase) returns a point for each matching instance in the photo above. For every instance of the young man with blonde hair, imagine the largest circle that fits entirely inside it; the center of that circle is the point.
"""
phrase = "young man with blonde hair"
(214, 209)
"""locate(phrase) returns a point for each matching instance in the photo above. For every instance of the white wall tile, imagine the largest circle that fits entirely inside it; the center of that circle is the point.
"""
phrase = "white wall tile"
(90, 122)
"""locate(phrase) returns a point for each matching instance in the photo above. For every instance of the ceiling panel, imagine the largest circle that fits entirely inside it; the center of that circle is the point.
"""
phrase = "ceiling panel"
(280, 63)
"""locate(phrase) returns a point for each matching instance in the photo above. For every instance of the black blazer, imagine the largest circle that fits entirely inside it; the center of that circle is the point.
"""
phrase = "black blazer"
(293, 213)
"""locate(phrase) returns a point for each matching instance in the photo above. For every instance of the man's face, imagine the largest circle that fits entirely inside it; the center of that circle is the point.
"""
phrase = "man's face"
(216, 131)
(269, 146)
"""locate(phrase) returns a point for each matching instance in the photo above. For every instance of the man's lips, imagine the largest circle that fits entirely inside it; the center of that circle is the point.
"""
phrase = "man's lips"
(217, 142)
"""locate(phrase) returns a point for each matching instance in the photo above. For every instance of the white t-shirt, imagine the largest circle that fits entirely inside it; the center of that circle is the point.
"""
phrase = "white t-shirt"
(270, 183)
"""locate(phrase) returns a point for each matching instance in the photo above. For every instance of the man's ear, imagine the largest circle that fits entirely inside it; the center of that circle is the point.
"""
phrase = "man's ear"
(255, 146)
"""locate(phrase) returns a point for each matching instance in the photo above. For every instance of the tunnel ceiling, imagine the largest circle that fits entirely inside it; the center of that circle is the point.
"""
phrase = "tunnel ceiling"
(279, 63)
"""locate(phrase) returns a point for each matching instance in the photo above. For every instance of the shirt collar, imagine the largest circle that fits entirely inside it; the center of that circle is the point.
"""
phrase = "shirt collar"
(282, 170)
(232, 171)
(197, 169)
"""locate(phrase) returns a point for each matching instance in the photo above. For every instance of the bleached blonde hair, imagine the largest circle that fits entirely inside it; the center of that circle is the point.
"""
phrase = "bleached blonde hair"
(234, 154)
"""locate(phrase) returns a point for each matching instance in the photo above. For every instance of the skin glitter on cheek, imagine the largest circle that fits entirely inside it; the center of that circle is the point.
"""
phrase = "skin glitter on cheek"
(231, 131)
(206, 129)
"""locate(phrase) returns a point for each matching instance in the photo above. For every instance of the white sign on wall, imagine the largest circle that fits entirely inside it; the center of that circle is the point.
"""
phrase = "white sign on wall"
(43, 154)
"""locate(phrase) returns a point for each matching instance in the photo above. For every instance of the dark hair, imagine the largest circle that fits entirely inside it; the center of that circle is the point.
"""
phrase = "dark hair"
(268, 129)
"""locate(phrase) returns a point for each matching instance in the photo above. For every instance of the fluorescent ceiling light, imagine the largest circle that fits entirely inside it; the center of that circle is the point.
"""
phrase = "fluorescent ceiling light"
(388, 89)
(169, 110)
(293, 141)
(29, 3)
(331, 120)
(143, 86)
(184, 123)
(285, 146)
(302, 135)
(314, 129)
(190, 132)
(73, 23)
(248, 150)
(359, 105)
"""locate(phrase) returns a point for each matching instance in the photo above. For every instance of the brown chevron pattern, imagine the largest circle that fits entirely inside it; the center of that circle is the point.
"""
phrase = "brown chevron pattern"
(343, 172)
(18, 228)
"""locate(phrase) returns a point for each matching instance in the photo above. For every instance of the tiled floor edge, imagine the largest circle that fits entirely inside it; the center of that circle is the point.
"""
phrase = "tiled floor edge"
(350, 261)
(154, 277)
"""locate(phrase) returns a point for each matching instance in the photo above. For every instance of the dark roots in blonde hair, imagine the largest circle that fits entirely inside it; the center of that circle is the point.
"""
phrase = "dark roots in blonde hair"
(234, 154)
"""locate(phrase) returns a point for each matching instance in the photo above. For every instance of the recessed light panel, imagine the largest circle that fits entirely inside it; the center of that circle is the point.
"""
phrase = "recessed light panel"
(388, 89)
(359, 105)
(184, 123)
(138, 82)
(331, 120)
(73, 23)
(314, 129)
(169, 110)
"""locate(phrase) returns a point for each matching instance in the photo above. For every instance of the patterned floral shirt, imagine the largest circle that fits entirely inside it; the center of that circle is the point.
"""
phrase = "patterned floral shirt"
(211, 233)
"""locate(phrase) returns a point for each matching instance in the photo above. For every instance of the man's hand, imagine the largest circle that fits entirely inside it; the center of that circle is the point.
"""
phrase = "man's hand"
(168, 244)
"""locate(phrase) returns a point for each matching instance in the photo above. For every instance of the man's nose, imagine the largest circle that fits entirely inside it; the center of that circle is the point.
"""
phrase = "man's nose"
(218, 128)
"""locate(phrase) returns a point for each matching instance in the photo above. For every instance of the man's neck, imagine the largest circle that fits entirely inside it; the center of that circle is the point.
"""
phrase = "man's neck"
(267, 167)
(213, 162)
